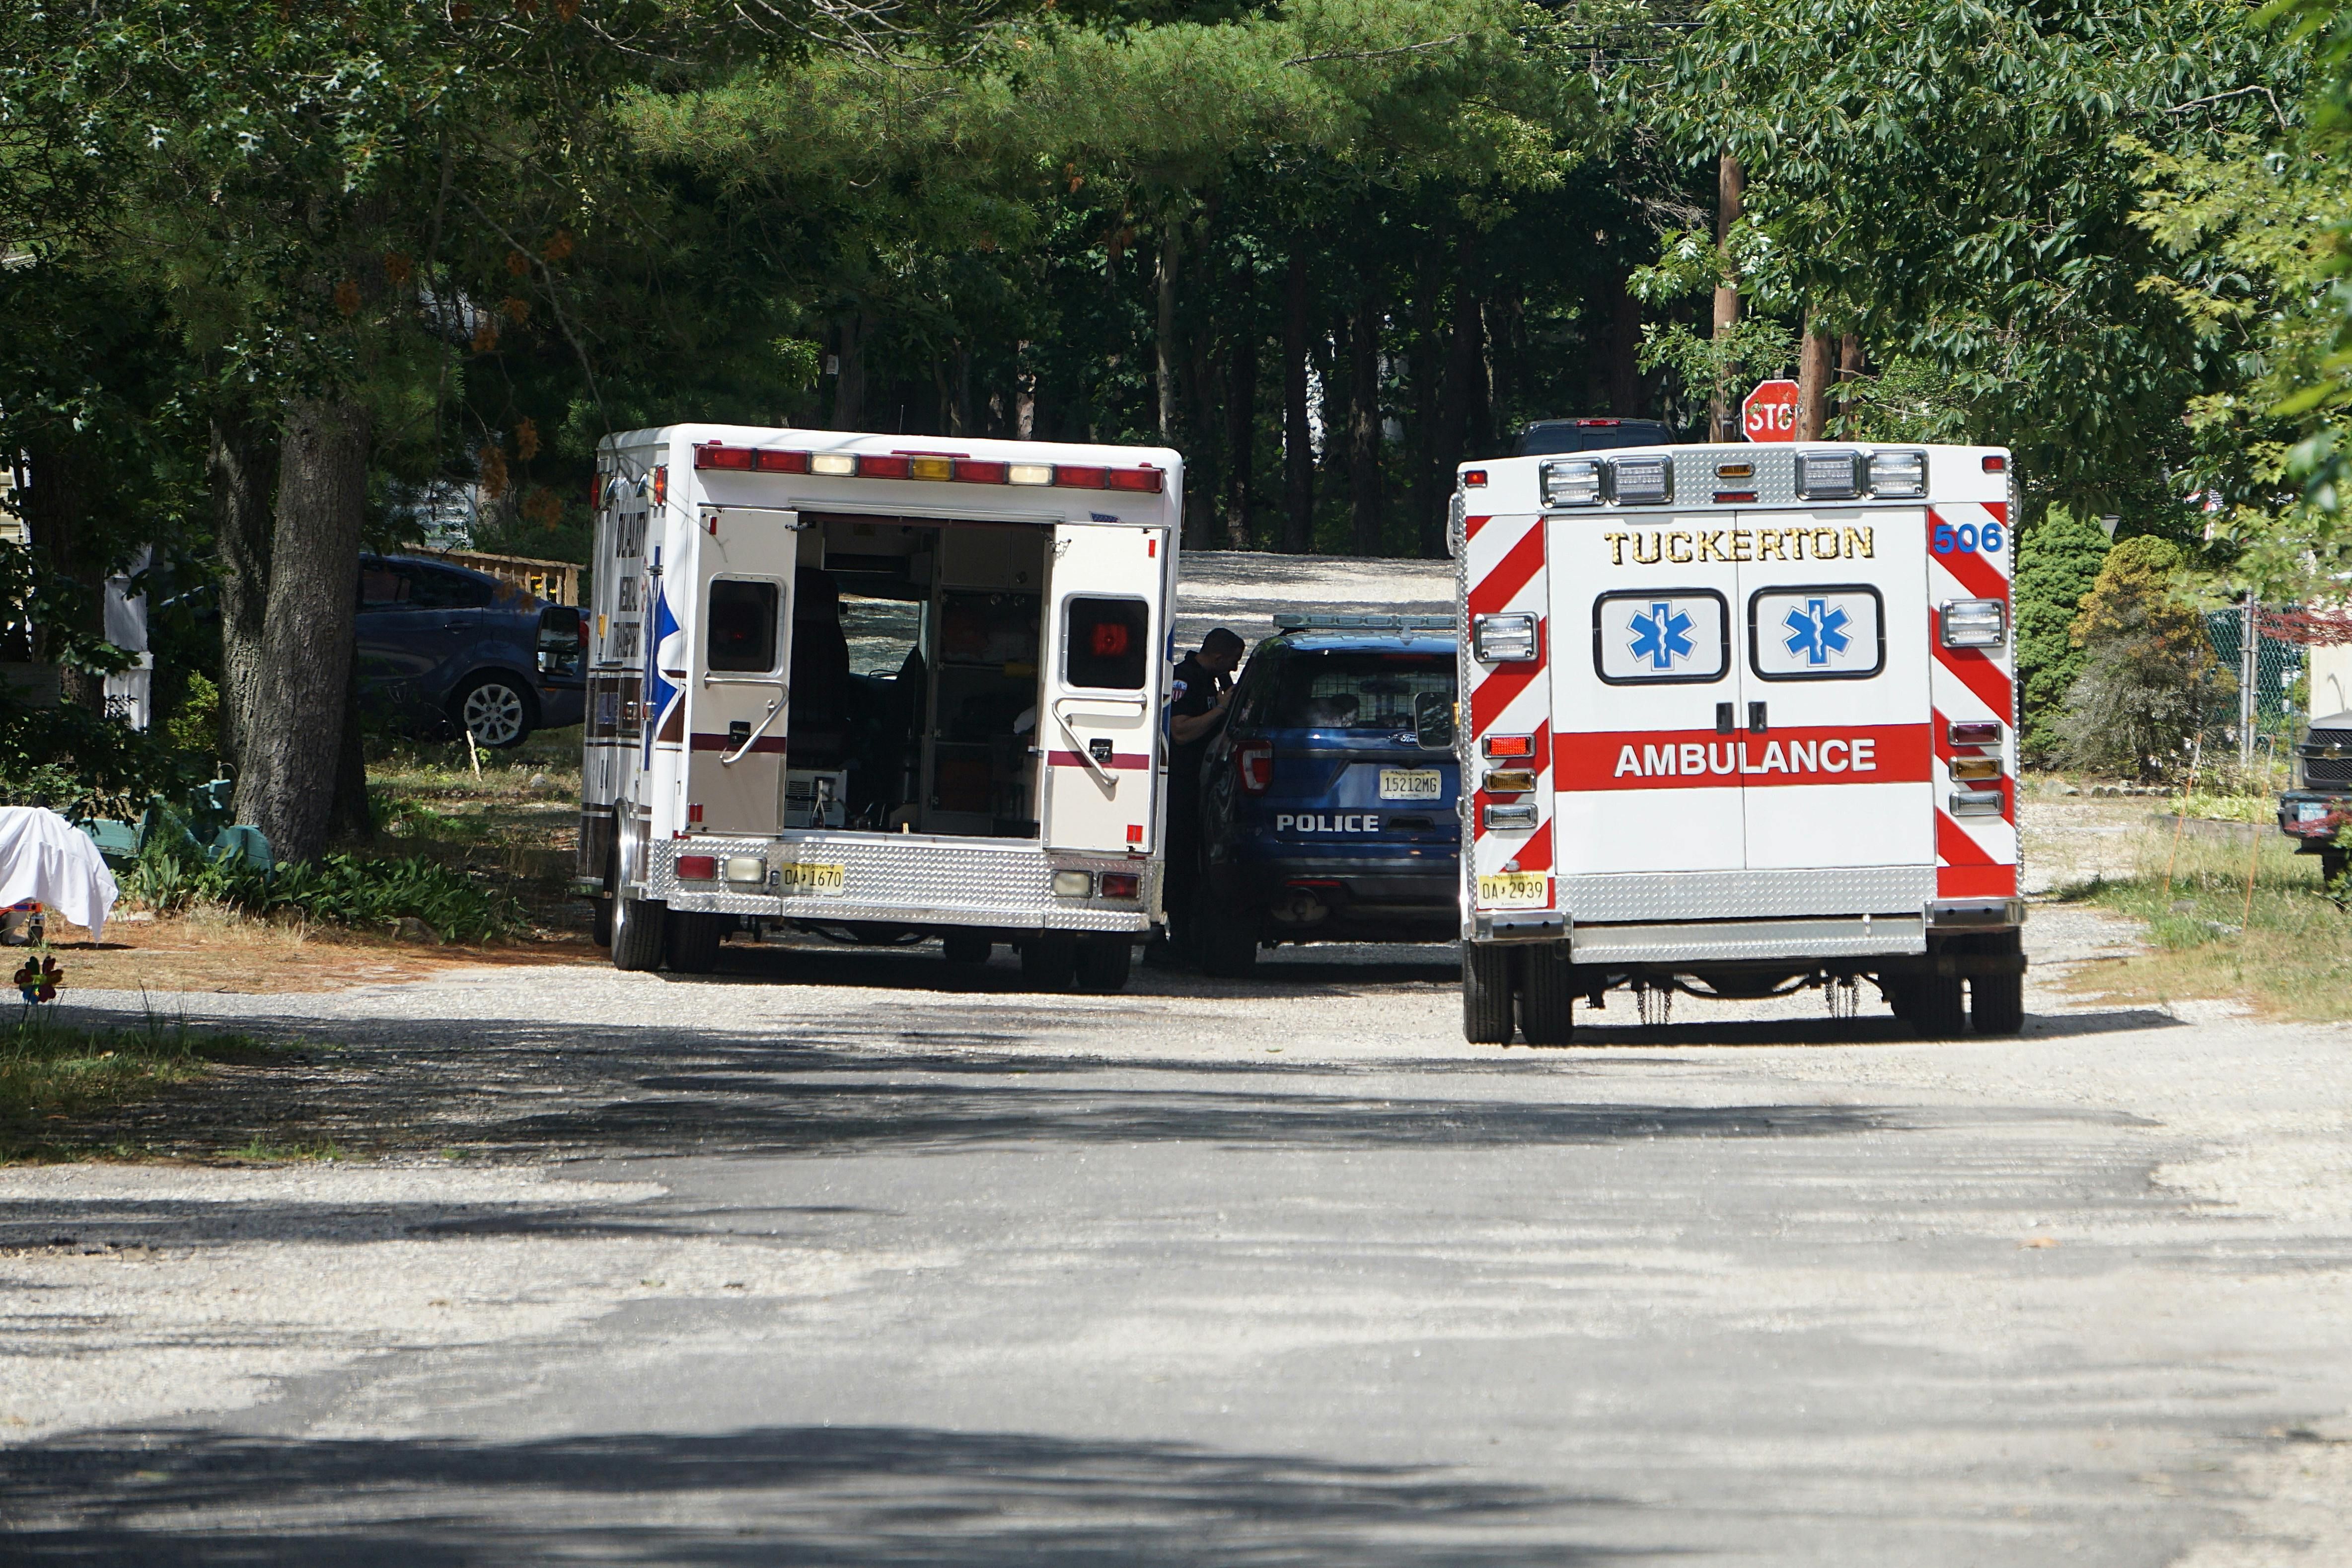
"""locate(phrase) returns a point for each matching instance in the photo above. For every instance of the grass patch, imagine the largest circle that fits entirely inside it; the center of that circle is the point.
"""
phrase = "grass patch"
(262, 1152)
(2286, 955)
(52, 1072)
(2262, 808)
(335, 890)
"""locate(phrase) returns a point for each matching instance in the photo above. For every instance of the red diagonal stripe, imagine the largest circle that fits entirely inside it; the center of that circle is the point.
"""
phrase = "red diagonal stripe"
(1954, 847)
(1535, 855)
(1511, 573)
(1978, 576)
(1471, 525)
(2000, 510)
(1494, 693)
(1978, 673)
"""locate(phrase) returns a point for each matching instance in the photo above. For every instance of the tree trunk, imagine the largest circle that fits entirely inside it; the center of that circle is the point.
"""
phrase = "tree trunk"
(1723, 410)
(352, 815)
(1814, 356)
(1297, 442)
(849, 387)
(1241, 436)
(1364, 425)
(1462, 365)
(1164, 336)
(240, 468)
(1427, 484)
(1849, 371)
(295, 745)
(1624, 352)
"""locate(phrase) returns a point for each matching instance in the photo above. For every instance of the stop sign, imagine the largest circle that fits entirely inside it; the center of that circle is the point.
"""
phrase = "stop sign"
(1770, 412)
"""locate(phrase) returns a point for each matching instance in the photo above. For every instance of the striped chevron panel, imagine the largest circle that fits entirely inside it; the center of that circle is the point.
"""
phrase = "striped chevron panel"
(1503, 562)
(1970, 556)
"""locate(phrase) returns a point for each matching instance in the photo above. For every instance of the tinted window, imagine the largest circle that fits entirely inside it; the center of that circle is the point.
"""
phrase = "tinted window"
(437, 589)
(1354, 689)
(743, 619)
(1103, 645)
(382, 587)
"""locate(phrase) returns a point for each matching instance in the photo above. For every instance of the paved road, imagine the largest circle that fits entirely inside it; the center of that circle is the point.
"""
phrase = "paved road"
(829, 1259)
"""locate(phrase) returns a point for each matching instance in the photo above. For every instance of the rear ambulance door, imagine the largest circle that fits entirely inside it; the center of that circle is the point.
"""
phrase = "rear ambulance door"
(1644, 646)
(1098, 719)
(738, 682)
(1831, 627)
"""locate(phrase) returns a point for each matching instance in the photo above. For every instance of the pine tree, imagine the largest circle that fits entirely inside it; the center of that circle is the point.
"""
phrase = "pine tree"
(2057, 563)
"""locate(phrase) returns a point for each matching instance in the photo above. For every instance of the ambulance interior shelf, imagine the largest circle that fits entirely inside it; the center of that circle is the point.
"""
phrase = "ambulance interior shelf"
(915, 683)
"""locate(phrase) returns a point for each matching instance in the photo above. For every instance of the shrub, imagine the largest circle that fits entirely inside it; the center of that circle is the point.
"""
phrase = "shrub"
(2148, 676)
(2058, 561)
(81, 764)
(336, 889)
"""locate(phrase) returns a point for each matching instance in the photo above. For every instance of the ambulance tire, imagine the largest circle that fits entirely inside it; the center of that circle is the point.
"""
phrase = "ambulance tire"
(1938, 1013)
(1104, 963)
(600, 920)
(1997, 1003)
(966, 946)
(1486, 993)
(694, 941)
(1547, 996)
(638, 932)
(1226, 943)
(1902, 998)
(1049, 961)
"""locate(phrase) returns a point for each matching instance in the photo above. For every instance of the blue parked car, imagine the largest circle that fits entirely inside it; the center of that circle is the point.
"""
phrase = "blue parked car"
(439, 642)
(1327, 804)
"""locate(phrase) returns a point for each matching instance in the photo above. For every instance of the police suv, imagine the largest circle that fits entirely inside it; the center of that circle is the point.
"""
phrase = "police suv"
(1329, 802)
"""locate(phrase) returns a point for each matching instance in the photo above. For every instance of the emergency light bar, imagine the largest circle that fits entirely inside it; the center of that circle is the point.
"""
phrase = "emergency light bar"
(933, 467)
(1599, 481)
(1309, 620)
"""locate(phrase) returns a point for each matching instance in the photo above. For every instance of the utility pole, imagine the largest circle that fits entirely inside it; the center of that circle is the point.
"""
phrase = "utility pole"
(2249, 668)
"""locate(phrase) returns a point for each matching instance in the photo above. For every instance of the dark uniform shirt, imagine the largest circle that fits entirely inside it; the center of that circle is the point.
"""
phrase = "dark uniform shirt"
(1194, 693)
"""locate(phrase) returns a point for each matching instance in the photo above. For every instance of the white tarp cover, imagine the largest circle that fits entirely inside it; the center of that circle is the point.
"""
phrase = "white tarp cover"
(44, 857)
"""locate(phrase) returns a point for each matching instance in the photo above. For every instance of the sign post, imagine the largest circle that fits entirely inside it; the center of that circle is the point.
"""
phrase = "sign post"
(1770, 412)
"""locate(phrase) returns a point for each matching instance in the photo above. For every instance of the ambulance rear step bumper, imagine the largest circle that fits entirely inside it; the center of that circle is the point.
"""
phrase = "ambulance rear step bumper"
(1734, 941)
(912, 879)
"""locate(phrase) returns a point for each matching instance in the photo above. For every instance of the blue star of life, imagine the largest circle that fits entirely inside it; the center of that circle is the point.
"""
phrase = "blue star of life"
(1817, 631)
(1662, 636)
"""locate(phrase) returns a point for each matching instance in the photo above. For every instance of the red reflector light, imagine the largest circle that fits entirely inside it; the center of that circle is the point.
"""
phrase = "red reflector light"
(974, 471)
(1734, 498)
(1120, 884)
(661, 484)
(783, 462)
(694, 814)
(1072, 477)
(1596, 424)
(1473, 476)
(697, 868)
(1996, 464)
(885, 467)
(1253, 765)
(722, 458)
(1145, 480)
(1976, 734)
(1135, 833)
(1510, 745)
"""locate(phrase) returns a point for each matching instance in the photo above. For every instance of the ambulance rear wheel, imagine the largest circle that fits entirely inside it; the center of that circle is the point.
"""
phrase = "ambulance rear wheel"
(1997, 1003)
(694, 941)
(1546, 996)
(600, 921)
(1486, 995)
(638, 932)
(1902, 996)
(966, 946)
(1103, 963)
(1937, 1012)
(1049, 961)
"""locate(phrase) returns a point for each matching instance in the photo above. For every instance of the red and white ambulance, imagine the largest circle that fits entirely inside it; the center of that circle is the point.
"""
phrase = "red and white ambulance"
(878, 687)
(1741, 720)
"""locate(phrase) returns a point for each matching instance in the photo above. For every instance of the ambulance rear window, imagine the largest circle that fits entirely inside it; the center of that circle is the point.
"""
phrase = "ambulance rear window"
(1347, 689)
(743, 618)
(1105, 646)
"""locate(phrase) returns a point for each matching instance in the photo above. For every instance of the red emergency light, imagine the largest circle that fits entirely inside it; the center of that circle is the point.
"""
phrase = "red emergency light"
(1510, 745)
(1121, 884)
(1996, 464)
(720, 457)
(697, 868)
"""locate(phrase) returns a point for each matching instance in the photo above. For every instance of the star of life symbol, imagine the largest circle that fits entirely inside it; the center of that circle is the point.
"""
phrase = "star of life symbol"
(1662, 636)
(1817, 631)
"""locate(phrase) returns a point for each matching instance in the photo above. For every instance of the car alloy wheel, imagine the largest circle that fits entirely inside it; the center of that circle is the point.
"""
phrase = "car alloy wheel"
(494, 712)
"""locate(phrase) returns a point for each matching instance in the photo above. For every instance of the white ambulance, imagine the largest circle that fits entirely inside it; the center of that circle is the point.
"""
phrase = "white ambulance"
(881, 688)
(1741, 720)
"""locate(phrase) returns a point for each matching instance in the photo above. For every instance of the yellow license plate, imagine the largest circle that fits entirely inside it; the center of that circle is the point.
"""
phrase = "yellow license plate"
(1412, 784)
(1515, 891)
(802, 877)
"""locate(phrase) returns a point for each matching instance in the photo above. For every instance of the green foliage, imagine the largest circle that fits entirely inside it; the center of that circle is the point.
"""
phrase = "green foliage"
(2149, 675)
(2058, 561)
(83, 765)
(195, 728)
(336, 889)
(49, 1069)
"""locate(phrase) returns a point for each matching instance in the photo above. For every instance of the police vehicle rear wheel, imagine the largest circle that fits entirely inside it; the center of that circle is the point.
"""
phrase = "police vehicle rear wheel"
(638, 932)
(1049, 961)
(966, 946)
(1547, 996)
(1997, 1003)
(1938, 1013)
(1486, 995)
(694, 941)
(1103, 963)
(1228, 944)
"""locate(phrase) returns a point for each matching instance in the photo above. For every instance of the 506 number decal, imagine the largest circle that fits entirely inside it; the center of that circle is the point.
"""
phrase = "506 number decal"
(1967, 538)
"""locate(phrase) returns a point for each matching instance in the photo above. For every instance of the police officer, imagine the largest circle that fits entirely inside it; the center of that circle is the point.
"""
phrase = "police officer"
(1196, 712)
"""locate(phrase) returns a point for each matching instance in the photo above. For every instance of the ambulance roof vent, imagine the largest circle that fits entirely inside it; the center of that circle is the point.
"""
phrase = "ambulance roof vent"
(1317, 621)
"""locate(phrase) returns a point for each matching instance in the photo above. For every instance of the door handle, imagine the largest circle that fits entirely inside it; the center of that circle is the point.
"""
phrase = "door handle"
(755, 730)
(1723, 725)
(1756, 725)
(1086, 756)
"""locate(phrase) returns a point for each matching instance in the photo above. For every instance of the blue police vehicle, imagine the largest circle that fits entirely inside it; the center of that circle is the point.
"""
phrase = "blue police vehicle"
(1327, 804)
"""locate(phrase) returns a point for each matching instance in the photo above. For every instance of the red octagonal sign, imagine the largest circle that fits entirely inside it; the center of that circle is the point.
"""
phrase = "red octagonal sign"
(1770, 412)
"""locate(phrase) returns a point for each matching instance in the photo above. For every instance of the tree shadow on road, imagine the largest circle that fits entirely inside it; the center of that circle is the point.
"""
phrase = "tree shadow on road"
(885, 1497)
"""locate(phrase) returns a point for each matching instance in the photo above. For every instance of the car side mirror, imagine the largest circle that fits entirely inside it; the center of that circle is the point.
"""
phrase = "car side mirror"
(1432, 721)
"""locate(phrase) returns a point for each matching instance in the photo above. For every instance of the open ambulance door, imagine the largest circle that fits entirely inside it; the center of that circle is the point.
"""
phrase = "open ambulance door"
(1097, 719)
(740, 653)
